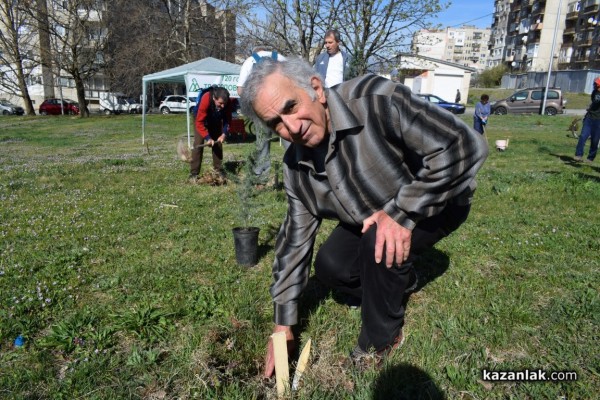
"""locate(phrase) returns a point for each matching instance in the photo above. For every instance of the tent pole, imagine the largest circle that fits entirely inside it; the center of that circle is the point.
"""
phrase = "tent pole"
(143, 111)
(187, 111)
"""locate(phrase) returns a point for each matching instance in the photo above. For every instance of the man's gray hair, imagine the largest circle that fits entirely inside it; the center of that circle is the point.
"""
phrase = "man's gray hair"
(294, 68)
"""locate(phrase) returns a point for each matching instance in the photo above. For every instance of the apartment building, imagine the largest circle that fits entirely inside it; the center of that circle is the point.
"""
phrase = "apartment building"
(46, 78)
(465, 46)
(529, 35)
(499, 30)
(580, 47)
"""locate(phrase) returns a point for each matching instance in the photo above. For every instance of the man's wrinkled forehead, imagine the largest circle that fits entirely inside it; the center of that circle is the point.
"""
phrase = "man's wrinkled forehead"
(274, 93)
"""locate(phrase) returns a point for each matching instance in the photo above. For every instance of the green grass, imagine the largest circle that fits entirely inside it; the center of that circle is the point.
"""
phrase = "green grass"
(121, 276)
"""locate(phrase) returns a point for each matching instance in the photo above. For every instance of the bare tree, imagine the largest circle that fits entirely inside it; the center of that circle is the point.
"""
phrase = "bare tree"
(78, 38)
(292, 27)
(372, 31)
(45, 53)
(16, 40)
(161, 34)
(376, 30)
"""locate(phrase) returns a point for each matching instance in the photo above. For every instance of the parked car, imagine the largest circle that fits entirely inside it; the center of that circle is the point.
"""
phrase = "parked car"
(53, 107)
(454, 108)
(117, 103)
(530, 101)
(176, 104)
(7, 108)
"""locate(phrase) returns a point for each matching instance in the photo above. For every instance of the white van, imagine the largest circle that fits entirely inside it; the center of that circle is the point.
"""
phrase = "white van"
(117, 103)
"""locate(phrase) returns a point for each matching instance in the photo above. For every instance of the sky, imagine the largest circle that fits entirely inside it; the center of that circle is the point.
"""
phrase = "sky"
(467, 12)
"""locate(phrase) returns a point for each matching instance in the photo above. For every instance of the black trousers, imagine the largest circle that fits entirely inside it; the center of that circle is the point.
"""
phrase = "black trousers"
(346, 262)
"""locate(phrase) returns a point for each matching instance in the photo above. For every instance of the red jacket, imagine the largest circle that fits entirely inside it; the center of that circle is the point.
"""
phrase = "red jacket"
(209, 120)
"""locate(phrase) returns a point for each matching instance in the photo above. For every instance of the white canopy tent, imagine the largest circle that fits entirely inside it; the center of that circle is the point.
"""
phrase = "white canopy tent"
(196, 76)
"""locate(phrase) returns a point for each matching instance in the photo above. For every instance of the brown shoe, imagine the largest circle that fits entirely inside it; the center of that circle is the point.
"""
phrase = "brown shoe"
(365, 360)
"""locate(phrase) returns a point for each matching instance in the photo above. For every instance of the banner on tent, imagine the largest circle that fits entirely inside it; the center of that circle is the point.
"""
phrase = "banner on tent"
(196, 82)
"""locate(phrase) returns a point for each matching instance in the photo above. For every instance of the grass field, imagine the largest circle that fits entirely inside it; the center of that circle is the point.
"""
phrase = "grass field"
(121, 276)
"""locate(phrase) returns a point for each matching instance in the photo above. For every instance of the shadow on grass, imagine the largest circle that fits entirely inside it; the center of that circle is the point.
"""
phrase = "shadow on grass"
(268, 244)
(429, 266)
(233, 167)
(405, 381)
(570, 160)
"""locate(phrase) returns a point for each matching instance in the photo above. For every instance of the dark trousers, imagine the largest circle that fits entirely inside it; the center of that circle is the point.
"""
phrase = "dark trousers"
(346, 262)
(198, 153)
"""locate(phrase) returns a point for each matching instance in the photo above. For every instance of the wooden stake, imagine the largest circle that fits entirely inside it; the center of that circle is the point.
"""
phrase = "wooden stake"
(282, 371)
(302, 363)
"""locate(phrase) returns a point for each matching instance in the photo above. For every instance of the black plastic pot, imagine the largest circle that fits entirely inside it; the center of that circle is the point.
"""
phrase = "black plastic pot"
(246, 245)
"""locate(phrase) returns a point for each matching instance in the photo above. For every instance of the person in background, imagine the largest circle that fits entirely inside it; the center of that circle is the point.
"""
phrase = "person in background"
(344, 140)
(482, 112)
(334, 64)
(457, 98)
(262, 169)
(212, 119)
(590, 126)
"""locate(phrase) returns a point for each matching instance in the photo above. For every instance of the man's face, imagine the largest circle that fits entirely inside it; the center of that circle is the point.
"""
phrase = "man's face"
(332, 45)
(291, 112)
(219, 103)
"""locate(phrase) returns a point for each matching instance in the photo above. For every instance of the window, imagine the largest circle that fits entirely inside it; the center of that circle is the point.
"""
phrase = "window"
(520, 96)
(573, 7)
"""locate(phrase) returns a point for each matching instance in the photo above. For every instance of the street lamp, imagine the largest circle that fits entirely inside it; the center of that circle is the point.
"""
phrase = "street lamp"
(592, 21)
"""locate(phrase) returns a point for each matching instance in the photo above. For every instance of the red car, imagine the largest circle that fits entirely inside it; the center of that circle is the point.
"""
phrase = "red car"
(53, 107)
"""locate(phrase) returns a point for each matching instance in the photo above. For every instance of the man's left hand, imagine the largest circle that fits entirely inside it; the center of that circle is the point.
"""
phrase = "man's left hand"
(391, 235)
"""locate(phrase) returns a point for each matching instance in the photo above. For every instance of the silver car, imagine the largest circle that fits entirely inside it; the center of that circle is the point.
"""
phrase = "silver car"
(7, 108)
(176, 104)
(530, 101)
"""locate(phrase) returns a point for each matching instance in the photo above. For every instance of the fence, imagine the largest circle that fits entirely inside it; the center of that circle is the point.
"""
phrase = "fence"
(569, 81)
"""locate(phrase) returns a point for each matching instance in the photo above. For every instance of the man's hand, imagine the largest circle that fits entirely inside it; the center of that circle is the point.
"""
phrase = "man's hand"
(210, 142)
(221, 138)
(270, 358)
(390, 234)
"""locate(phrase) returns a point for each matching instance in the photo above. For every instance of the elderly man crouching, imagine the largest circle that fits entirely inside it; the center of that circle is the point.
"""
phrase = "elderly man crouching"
(395, 171)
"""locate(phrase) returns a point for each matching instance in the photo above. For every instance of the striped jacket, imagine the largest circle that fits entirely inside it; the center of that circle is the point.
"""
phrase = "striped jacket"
(387, 150)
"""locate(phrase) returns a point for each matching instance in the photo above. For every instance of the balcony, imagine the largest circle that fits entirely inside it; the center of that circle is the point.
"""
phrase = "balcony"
(591, 8)
(586, 42)
(536, 27)
(572, 15)
(569, 31)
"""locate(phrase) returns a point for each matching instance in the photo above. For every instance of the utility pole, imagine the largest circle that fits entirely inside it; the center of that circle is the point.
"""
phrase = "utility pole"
(543, 109)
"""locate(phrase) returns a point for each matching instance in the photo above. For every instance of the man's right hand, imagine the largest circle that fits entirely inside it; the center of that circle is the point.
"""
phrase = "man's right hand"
(270, 358)
(210, 142)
